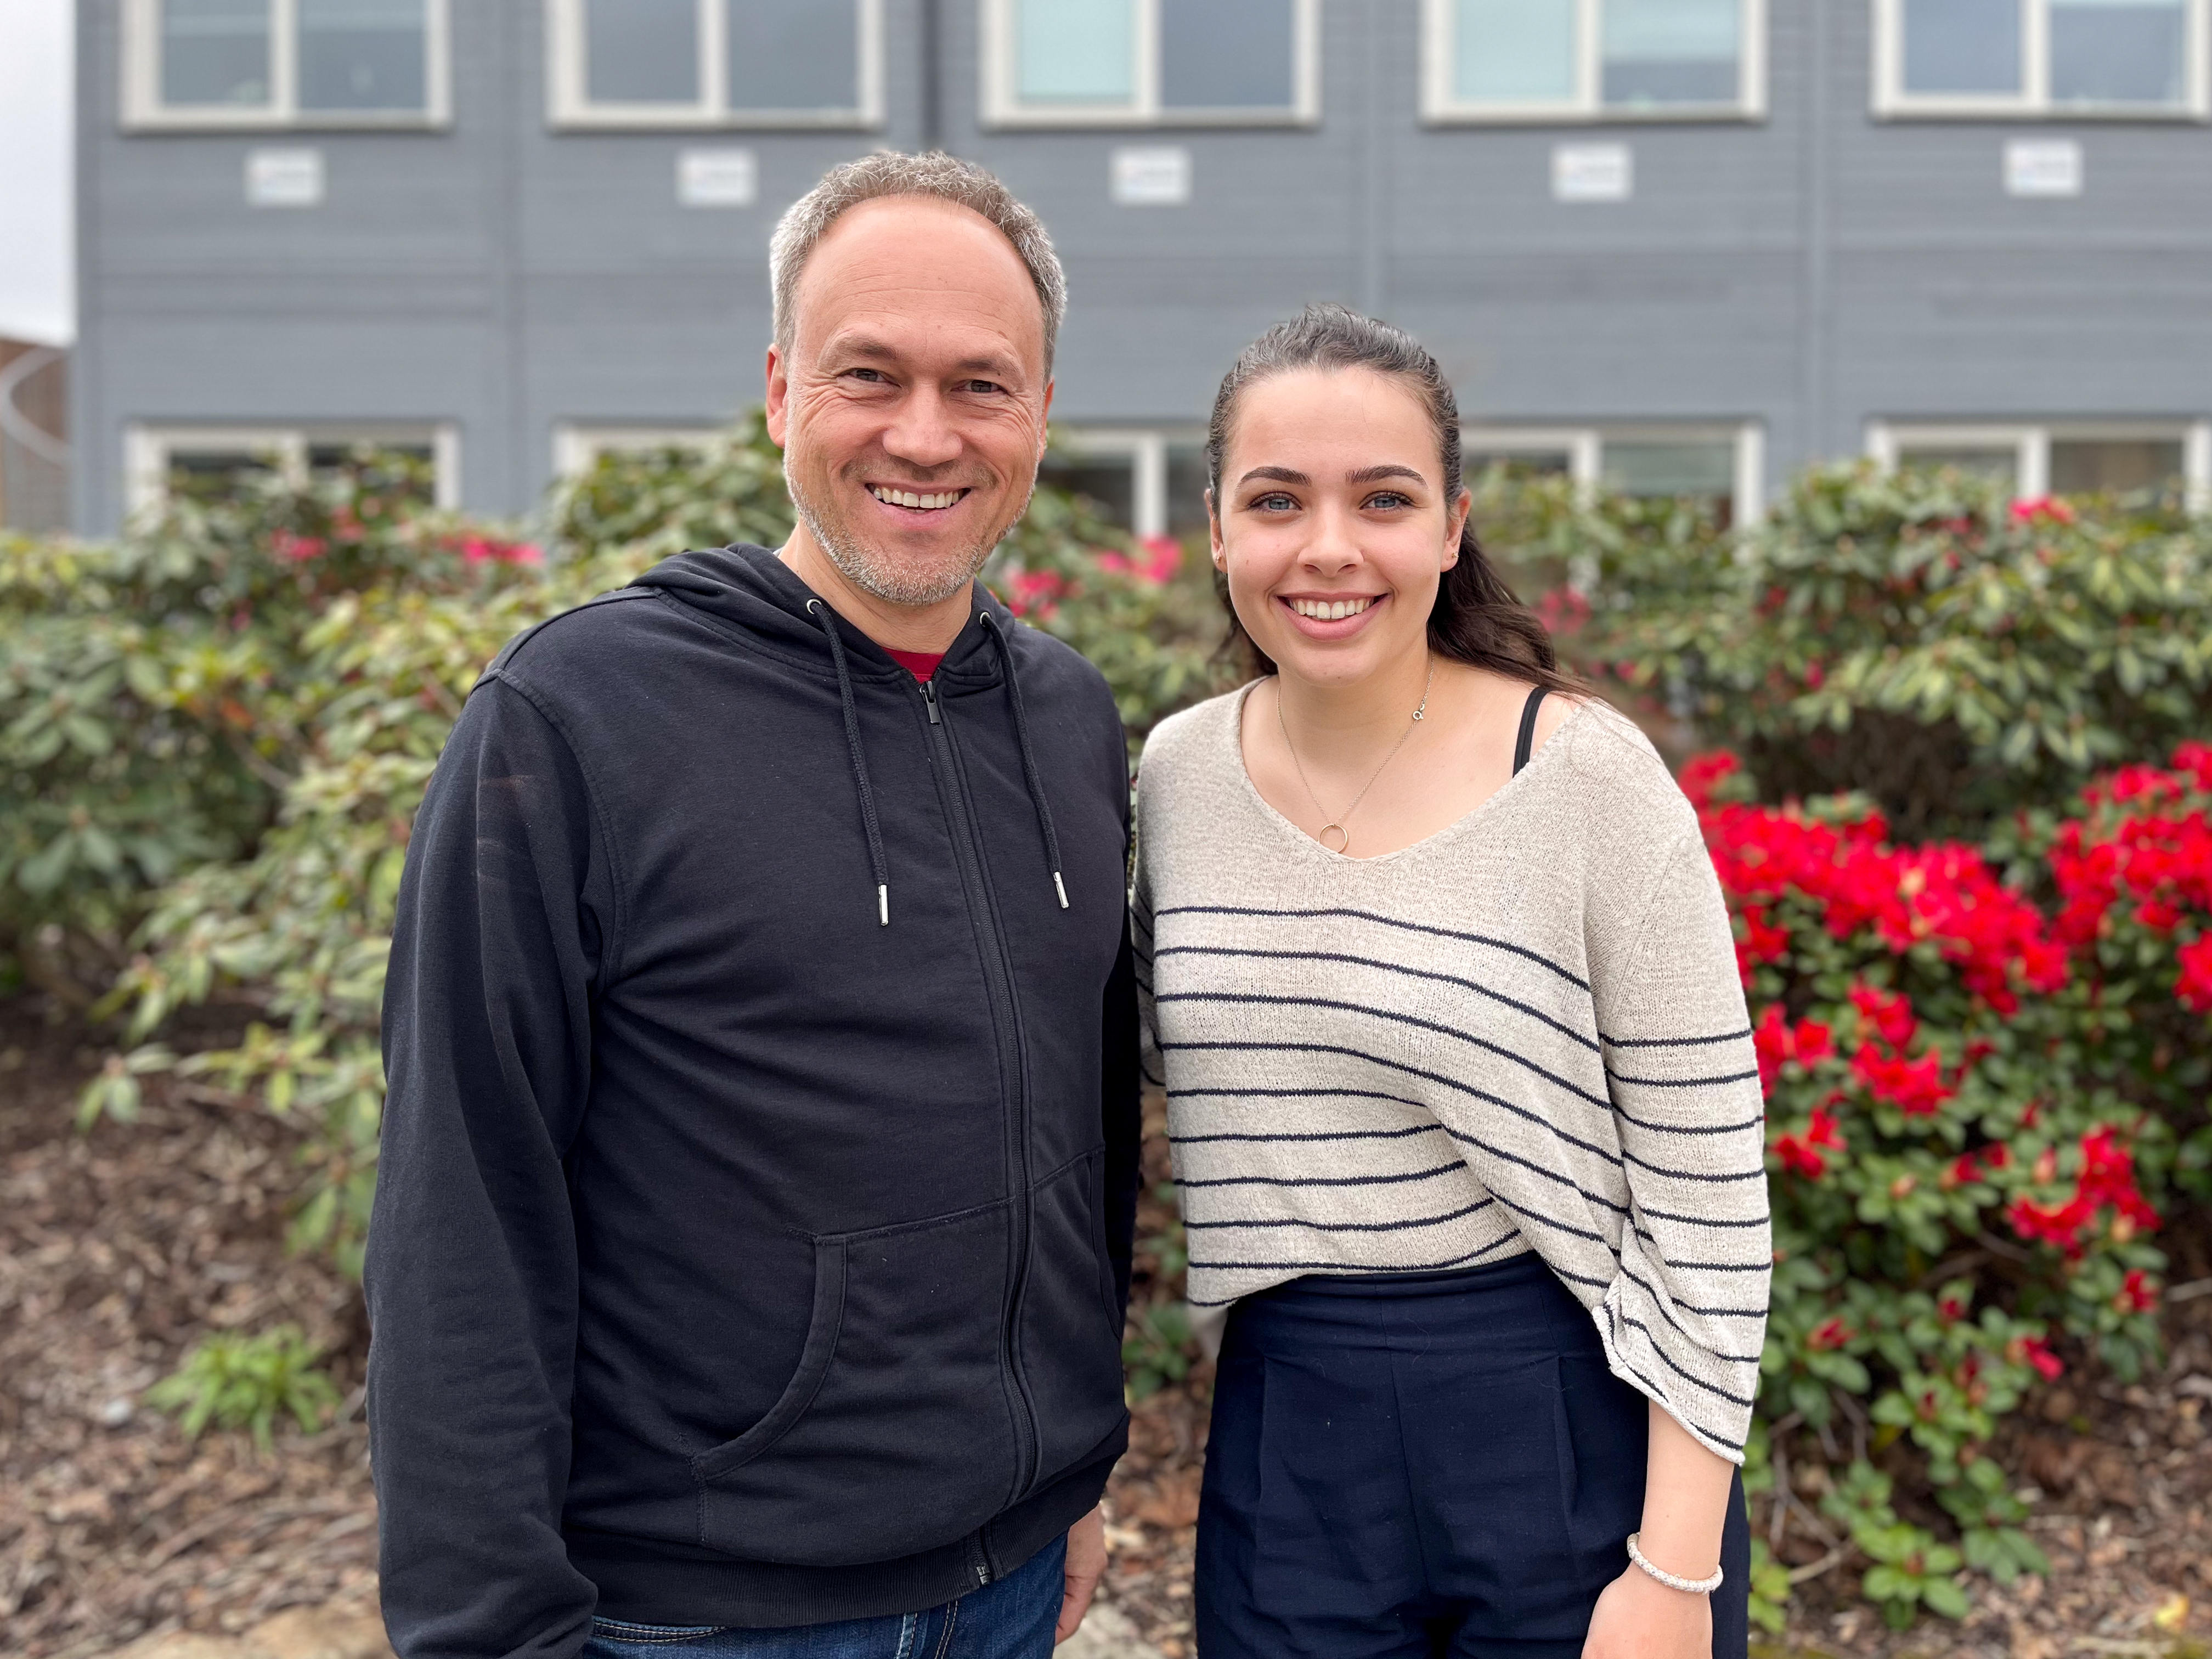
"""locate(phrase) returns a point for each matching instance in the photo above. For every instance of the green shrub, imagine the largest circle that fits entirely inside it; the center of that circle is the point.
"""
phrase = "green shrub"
(1917, 638)
(238, 1382)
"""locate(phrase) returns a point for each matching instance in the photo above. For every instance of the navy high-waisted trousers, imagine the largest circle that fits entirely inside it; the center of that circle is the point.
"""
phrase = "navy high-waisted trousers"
(1424, 1464)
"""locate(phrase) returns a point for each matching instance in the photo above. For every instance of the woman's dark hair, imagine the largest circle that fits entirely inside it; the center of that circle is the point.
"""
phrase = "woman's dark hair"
(1476, 619)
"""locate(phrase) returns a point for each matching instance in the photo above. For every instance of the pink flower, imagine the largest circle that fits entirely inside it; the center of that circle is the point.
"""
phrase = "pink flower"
(2042, 509)
(297, 548)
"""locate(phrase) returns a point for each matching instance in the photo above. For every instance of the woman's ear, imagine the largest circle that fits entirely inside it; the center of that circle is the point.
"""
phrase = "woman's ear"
(1213, 534)
(1454, 524)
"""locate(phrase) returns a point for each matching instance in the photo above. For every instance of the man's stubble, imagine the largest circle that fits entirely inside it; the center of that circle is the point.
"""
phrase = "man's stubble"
(895, 581)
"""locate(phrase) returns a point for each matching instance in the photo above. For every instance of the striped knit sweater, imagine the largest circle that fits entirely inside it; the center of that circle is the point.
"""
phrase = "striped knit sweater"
(1524, 1032)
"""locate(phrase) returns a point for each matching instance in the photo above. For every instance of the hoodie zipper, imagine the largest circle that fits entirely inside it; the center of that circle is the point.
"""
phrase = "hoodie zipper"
(999, 980)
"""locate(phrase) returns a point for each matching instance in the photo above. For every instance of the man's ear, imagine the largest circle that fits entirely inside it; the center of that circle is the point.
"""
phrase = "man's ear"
(779, 397)
(1044, 423)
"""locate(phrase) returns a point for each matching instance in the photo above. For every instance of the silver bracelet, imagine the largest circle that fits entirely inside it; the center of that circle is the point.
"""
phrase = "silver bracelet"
(1693, 1586)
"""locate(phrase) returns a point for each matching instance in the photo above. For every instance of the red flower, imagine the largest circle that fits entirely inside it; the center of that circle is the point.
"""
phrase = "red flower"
(2107, 1181)
(1826, 1337)
(1702, 773)
(297, 548)
(1915, 1087)
(1951, 1309)
(2193, 988)
(1563, 610)
(1035, 593)
(2137, 1295)
(1163, 557)
(1888, 1013)
(485, 549)
(1776, 1041)
(1801, 1154)
(2043, 509)
(2035, 1350)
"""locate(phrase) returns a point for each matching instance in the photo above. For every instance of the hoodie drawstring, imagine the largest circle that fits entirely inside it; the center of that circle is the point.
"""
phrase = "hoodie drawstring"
(860, 765)
(1029, 759)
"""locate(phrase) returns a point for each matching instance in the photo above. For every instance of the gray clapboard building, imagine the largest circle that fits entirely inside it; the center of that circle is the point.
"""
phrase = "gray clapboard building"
(1677, 245)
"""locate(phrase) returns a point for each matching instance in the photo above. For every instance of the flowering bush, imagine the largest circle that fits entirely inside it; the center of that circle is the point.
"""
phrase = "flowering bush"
(1976, 1106)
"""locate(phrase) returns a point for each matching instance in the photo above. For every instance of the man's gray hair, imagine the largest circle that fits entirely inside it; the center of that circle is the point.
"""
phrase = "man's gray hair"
(946, 178)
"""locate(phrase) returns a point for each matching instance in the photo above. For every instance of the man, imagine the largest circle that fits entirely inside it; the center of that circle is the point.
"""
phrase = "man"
(752, 1230)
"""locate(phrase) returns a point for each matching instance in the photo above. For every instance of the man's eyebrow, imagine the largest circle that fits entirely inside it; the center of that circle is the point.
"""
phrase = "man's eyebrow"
(1278, 474)
(1386, 470)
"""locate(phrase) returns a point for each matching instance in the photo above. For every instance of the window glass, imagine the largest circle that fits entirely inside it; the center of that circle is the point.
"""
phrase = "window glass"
(361, 54)
(1516, 463)
(1962, 45)
(1186, 491)
(1226, 54)
(215, 52)
(1698, 467)
(795, 54)
(2118, 51)
(215, 475)
(1075, 51)
(1108, 482)
(2083, 466)
(1512, 51)
(641, 51)
(1999, 463)
(1671, 51)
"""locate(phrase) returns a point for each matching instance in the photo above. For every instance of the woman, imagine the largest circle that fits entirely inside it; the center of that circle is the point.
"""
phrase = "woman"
(1465, 1111)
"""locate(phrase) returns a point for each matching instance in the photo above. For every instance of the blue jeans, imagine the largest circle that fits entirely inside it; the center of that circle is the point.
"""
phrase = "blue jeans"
(1012, 1619)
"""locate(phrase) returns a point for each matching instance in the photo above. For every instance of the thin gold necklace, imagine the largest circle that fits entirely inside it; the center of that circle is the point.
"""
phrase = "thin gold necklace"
(1344, 845)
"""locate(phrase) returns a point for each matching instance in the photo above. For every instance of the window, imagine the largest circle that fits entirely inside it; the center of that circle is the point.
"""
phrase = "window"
(716, 63)
(1555, 60)
(2033, 461)
(161, 461)
(283, 63)
(1092, 63)
(1149, 482)
(2068, 58)
(1722, 466)
(576, 448)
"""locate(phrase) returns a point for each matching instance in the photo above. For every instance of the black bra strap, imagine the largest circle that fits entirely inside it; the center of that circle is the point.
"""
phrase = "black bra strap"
(1527, 738)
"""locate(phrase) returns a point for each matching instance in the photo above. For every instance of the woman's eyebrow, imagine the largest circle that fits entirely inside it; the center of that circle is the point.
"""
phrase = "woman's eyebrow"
(1278, 474)
(1387, 470)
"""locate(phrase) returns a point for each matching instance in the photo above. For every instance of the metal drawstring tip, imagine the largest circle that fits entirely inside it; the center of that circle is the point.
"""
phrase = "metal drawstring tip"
(1060, 888)
(883, 906)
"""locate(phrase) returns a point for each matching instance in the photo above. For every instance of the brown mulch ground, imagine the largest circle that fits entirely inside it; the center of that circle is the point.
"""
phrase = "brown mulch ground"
(121, 1246)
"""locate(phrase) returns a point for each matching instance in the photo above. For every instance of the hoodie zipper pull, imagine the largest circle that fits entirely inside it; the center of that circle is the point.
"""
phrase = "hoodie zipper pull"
(929, 697)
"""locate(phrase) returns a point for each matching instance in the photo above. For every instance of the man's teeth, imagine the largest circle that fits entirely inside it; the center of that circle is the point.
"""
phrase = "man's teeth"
(1330, 609)
(909, 498)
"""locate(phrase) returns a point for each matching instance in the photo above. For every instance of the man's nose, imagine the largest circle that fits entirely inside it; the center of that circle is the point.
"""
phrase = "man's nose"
(922, 433)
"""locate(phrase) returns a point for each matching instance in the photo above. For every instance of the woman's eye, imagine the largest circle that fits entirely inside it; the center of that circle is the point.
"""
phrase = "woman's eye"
(1275, 501)
(1389, 500)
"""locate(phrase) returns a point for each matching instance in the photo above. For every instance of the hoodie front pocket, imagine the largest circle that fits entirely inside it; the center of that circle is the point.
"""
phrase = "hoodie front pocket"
(895, 1433)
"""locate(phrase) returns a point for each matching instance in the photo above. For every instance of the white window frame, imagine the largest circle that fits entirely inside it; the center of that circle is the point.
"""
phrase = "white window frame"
(148, 448)
(567, 85)
(1584, 448)
(2031, 442)
(1002, 105)
(578, 445)
(1440, 107)
(144, 111)
(1893, 102)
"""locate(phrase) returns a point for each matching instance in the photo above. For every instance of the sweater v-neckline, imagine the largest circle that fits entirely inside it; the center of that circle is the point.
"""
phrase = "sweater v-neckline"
(1450, 832)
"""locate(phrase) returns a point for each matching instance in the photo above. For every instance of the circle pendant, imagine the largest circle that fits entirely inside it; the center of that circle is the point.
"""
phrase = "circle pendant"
(1344, 837)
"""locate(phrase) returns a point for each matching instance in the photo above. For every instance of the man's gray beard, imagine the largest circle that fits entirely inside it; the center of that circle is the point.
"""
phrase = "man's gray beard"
(896, 583)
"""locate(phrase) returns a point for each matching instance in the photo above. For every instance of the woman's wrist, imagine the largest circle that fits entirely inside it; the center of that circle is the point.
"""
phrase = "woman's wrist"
(1662, 1570)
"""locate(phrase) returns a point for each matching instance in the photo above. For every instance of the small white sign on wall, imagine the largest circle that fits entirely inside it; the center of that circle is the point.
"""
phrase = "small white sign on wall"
(1592, 173)
(1156, 176)
(717, 178)
(284, 178)
(2043, 167)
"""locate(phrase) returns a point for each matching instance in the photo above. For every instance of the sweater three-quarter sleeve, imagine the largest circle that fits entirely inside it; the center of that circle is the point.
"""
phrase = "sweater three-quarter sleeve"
(1684, 1317)
(504, 917)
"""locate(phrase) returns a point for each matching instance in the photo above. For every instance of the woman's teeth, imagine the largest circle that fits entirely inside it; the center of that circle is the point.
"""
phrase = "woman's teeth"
(909, 498)
(1330, 609)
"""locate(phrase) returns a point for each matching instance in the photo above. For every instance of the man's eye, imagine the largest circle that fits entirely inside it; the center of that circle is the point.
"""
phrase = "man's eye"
(873, 375)
(984, 387)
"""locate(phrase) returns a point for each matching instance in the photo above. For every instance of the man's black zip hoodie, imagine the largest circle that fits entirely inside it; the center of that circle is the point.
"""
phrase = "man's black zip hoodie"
(752, 1229)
